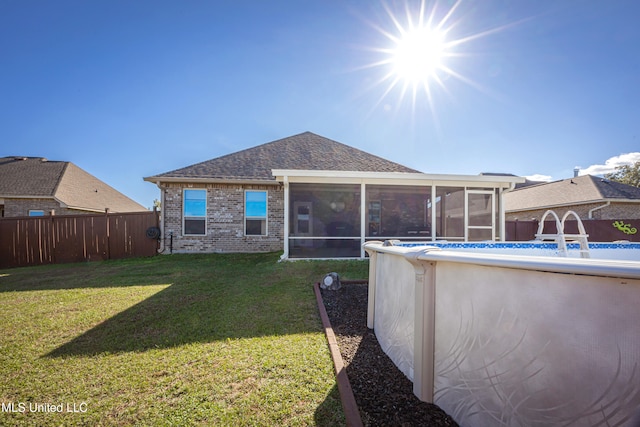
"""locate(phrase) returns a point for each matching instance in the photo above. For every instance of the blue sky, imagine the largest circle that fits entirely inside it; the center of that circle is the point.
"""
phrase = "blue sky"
(128, 89)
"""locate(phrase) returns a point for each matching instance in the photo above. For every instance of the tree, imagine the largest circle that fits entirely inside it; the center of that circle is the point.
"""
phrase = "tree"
(626, 174)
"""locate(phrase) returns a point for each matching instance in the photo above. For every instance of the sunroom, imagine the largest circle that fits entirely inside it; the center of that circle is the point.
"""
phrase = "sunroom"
(330, 214)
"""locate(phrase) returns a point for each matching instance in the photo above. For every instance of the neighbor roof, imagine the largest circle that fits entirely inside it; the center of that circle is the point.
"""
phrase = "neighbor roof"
(36, 177)
(305, 151)
(29, 176)
(573, 191)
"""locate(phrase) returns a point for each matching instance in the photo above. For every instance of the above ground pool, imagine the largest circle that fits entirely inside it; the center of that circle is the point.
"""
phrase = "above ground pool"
(512, 333)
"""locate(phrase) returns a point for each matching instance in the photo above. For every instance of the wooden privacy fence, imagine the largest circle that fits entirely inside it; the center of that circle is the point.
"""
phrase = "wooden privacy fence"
(71, 238)
(599, 230)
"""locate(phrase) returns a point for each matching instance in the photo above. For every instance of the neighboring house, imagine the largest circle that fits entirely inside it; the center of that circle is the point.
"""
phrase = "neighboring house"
(590, 197)
(33, 186)
(313, 197)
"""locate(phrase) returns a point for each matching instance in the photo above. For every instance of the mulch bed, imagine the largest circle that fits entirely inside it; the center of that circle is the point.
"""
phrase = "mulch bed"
(384, 394)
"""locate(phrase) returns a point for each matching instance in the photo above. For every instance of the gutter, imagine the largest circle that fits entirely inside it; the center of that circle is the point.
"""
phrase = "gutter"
(569, 204)
(590, 216)
(395, 178)
(503, 211)
(189, 180)
(11, 196)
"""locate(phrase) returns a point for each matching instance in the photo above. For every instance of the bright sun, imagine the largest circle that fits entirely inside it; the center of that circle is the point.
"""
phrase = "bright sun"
(418, 55)
(423, 50)
(419, 49)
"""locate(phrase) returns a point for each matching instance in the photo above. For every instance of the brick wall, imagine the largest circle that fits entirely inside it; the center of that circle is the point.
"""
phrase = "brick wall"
(614, 211)
(225, 220)
(21, 207)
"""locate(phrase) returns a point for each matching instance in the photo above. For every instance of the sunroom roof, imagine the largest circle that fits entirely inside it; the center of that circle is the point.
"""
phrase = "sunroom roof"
(394, 178)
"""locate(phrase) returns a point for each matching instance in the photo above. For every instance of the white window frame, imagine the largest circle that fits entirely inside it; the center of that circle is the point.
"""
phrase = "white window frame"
(184, 217)
(265, 218)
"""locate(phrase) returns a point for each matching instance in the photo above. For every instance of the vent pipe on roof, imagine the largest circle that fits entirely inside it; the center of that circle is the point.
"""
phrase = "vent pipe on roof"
(576, 171)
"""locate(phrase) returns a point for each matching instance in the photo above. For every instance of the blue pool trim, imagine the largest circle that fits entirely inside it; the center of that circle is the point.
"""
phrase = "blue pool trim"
(519, 245)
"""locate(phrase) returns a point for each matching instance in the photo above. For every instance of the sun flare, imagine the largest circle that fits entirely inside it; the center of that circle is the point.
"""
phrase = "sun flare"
(426, 44)
(418, 55)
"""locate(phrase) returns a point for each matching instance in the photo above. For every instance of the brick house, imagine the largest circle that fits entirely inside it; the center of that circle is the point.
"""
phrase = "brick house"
(312, 197)
(590, 197)
(33, 186)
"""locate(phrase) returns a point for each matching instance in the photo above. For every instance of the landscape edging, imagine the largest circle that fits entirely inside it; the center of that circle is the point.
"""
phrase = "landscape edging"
(349, 405)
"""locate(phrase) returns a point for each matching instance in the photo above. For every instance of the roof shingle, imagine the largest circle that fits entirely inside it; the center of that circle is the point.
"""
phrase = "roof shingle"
(29, 176)
(305, 151)
(578, 190)
(75, 188)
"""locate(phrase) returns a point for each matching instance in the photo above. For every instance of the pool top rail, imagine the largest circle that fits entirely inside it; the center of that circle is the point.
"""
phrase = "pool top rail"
(587, 266)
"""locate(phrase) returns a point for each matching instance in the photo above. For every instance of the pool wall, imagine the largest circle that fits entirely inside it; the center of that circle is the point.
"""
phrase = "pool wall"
(511, 340)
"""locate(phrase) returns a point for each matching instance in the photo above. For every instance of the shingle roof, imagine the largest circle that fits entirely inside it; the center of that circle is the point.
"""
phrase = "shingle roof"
(305, 151)
(578, 190)
(29, 176)
(75, 188)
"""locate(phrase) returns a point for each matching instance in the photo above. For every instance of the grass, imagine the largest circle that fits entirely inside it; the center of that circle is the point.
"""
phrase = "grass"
(170, 340)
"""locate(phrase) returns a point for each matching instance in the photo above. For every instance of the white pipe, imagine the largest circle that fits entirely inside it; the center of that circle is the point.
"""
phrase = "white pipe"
(363, 217)
(285, 231)
(590, 215)
(502, 215)
(162, 231)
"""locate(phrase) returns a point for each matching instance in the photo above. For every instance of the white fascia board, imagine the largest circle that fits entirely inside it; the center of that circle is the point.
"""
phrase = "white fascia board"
(551, 206)
(391, 178)
(622, 200)
(64, 205)
(569, 204)
(80, 208)
(188, 180)
(10, 196)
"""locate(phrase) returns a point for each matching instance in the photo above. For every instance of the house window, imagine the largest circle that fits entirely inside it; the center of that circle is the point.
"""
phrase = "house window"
(194, 212)
(255, 213)
(34, 212)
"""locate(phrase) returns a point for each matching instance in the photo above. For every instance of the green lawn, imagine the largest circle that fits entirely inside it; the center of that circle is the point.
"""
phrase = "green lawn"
(170, 340)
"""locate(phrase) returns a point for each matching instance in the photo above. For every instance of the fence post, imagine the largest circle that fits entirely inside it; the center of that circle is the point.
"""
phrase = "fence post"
(156, 217)
(53, 236)
(108, 242)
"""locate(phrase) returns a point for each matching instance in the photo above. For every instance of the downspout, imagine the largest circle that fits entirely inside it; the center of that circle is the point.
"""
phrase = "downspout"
(503, 222)
(363, 217)
(590, 215)
(285, 231)
(162, 234)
